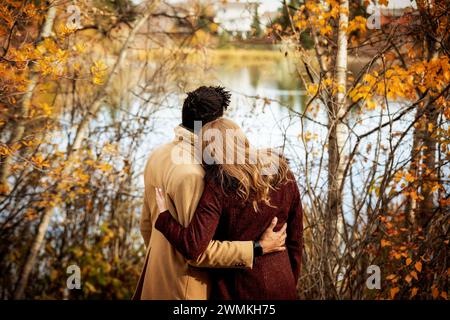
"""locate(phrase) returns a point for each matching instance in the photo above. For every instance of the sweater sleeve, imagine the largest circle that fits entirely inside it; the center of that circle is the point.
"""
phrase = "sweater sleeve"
(193, 240)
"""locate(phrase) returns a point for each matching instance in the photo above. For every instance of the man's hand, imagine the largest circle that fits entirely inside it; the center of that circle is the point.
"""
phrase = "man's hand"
(272, 241)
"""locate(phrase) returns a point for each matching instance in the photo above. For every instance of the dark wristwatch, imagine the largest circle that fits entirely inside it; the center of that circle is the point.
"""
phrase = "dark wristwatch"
(257, 249)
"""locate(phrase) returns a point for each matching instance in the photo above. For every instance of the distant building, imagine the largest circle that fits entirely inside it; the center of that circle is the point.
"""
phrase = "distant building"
(236, 17)
(233, 17)
(398, 12)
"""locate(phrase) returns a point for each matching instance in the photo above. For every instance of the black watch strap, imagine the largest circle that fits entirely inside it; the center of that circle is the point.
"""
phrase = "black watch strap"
(257, 249)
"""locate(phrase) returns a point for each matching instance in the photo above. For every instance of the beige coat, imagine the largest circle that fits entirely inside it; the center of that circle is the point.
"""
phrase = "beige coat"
(166, 273)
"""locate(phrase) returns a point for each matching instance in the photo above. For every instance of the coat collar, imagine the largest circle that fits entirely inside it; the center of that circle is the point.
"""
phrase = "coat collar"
(183, 134)
(186, 149)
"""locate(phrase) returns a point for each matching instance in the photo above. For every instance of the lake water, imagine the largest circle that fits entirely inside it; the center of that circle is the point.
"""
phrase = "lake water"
(275, 123)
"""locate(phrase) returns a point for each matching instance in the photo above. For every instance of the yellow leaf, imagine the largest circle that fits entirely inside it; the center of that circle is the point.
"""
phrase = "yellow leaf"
(40, 162)
(90, 287)
(80, 47)
(418, 266)
(105, 167)
(307, 136)
(370, 104)
(312, 89)
(97, 80)
(46, 109)
(98, 71)
(394, 292)
(409, 177)
(213, 27)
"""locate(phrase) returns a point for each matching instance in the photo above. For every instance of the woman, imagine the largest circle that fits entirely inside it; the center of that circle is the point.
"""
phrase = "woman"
(240, 199)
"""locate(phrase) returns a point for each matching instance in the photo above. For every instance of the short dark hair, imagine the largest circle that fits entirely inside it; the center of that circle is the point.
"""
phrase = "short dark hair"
(204, 104)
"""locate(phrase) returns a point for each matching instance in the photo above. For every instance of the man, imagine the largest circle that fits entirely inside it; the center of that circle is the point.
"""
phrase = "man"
(166, 273)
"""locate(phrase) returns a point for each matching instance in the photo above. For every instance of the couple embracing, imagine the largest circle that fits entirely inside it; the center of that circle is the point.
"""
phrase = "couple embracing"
(218, 227)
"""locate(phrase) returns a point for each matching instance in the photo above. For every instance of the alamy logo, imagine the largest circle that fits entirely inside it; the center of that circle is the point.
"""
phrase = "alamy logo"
(74, 20)
(374, 280)
(374, 20)
(74, 280)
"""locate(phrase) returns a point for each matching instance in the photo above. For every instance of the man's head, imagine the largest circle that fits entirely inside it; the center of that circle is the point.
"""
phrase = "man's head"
(204, 104)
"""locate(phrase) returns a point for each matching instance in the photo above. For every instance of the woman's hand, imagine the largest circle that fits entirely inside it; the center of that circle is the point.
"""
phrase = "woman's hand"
(160, 200)
(273, 241)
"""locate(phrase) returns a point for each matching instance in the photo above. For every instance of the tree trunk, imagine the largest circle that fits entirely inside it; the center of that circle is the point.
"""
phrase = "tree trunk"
(338, 130)
(428, 176)
(411, 204)
(336, 139)
(32, 254)
(428, 172)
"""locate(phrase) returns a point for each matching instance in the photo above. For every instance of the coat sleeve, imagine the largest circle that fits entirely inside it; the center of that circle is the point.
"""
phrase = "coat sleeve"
(195, 241)
(146, 219)
(294, 240)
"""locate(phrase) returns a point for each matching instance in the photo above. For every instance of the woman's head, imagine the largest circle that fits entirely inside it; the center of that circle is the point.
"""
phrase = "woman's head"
(228, 156)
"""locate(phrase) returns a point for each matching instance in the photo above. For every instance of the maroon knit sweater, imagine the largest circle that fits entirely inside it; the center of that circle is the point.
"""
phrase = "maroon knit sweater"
(223, 216)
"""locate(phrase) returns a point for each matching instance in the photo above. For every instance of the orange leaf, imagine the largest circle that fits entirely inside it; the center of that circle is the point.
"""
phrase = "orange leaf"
(414, 275)
(390, 277)
(444, 295)
(418, 266)
(394, 292)
(408, 278)
(414, 291)
(408, 261)
(435, 292)
(385, 243)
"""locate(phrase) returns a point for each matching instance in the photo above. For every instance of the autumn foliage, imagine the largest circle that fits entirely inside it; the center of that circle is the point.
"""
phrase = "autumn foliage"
(68, 190)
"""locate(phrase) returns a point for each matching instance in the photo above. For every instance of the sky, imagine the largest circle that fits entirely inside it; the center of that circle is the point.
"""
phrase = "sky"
(273, 5)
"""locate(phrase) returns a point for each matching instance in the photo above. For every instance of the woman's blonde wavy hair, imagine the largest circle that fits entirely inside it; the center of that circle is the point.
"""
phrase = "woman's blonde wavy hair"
(228, 158)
